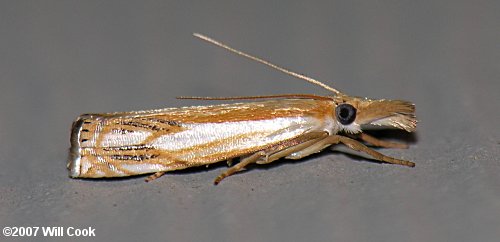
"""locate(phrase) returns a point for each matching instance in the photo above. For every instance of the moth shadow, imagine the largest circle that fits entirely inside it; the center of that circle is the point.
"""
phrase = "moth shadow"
(186, 171)
(394, 135)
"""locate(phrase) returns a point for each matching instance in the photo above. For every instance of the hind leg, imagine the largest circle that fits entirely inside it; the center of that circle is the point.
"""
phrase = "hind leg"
(240, 166)
(155, 176)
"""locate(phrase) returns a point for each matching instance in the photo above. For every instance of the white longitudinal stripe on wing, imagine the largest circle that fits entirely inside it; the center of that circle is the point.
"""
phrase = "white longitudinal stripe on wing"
(197, 134)
(116, 139)
(142, 168)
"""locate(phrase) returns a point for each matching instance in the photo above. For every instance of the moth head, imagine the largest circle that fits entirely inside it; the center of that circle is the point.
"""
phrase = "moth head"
(353, 114)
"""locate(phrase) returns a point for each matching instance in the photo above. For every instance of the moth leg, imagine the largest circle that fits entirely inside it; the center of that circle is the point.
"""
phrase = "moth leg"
(155, 176)
(274, 153)
(290, 151)
(381, 143)
(313, 148)
(358, 146)
(240, 166)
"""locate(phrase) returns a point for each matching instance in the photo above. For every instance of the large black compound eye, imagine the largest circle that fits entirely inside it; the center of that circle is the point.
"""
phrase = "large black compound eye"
(345, 113)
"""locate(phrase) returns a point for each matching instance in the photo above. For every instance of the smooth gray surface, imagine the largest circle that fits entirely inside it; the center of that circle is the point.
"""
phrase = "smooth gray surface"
(58, 60)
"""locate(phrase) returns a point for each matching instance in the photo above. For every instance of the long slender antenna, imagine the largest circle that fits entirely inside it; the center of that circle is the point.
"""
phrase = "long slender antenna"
(297, 75)
(298, 96)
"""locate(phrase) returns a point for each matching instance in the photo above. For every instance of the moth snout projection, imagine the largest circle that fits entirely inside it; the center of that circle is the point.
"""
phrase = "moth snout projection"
(259, 131)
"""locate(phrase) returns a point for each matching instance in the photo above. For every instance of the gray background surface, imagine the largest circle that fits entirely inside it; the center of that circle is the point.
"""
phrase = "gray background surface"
(59, 59)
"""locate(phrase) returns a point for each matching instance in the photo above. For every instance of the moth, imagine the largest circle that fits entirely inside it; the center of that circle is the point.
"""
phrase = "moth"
(259, 131)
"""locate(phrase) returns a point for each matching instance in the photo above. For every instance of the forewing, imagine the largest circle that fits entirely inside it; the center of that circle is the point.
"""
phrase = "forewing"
(123, 144)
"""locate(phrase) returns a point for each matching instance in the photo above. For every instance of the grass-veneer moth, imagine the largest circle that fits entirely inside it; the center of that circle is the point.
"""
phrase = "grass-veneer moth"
(261, 130)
